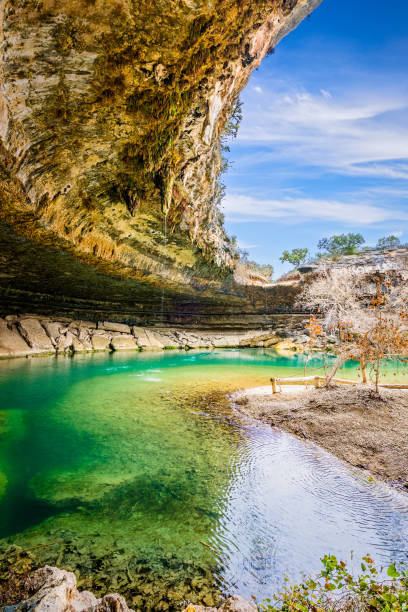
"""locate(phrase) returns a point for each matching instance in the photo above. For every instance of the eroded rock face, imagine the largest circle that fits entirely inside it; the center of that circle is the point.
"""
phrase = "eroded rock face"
(110, 116)
(23, 336)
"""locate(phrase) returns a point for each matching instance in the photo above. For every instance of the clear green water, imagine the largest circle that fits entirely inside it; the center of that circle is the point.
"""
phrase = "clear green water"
(120, 466)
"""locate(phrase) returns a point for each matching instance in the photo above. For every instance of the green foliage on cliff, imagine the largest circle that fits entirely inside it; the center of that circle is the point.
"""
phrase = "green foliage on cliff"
(341, 244)
(295, 256)
(388, 242)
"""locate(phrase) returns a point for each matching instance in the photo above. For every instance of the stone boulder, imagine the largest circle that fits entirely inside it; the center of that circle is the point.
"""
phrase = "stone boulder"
(260, 340)
(57, 592)
(34, 334)
(189, 340)
(65, 342)
(287, 348)
(78, 325)
(230, 340)
(124, 342)
(233, 604)
(11, 343)
(53, 329)
(115, 327)
(146, 339)
(100, 343)
(79, 345)
(167, 339)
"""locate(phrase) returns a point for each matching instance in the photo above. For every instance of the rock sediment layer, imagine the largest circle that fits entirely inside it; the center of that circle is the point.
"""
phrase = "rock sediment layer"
(25, 336)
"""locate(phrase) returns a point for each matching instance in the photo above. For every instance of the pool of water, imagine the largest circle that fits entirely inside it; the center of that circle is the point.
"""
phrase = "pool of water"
(134, 471)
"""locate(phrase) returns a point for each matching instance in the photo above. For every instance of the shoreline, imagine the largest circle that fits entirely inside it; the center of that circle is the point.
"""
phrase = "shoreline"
(365, 431)
(29, 335)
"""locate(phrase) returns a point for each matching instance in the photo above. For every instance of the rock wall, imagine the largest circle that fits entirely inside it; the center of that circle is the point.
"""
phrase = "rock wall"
(110, 120)
(30, 335)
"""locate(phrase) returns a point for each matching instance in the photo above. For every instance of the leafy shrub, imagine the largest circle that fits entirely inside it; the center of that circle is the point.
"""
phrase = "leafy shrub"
(295, 257)
(388, 242)
(335, 589)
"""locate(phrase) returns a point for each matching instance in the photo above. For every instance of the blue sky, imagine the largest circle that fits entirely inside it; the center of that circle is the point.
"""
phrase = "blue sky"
(323, 145)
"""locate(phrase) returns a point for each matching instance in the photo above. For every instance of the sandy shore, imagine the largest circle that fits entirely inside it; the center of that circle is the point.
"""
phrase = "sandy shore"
(369, 432)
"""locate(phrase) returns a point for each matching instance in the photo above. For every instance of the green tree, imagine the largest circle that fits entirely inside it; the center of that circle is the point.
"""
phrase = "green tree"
(295, 257)
(234, 121)
(388, 242)
(341, 244)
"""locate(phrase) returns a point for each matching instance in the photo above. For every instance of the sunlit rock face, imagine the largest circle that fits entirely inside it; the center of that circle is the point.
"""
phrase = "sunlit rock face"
(110, 119)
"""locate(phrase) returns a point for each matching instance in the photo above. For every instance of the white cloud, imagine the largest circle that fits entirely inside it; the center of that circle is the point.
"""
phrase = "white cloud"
(243, 208)
(358, 133)
(258, 89)
(326, 94)
(244, 245)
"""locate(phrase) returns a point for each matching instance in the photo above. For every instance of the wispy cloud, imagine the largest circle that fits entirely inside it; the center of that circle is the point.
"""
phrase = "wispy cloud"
(243, 208)
(353, 133)
(244, 245)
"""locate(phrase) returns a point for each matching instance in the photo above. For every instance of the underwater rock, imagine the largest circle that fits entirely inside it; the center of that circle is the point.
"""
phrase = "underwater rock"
(58, 592)
(3, 484)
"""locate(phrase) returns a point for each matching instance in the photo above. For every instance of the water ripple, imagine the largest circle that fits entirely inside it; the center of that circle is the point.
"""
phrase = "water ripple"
(290, 502)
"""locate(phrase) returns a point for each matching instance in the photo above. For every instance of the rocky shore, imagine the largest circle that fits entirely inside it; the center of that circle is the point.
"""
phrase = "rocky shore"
(30, 335)
(51, 589)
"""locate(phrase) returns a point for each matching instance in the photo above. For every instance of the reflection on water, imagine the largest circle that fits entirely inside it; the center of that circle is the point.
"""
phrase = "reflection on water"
(133, 470)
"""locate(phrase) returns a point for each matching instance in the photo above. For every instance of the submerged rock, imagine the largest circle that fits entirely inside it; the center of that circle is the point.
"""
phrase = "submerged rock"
(55, 590)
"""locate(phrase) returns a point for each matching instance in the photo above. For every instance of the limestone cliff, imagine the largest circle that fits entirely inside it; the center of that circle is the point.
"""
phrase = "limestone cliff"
(110, 121)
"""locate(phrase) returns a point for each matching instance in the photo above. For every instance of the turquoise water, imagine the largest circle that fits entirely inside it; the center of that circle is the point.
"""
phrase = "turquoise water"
(134, 471)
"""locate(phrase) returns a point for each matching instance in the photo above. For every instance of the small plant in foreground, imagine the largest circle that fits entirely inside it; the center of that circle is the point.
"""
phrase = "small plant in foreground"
(336, 589)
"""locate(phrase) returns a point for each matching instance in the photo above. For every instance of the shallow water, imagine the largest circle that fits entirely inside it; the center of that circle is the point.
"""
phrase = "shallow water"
(134, 471)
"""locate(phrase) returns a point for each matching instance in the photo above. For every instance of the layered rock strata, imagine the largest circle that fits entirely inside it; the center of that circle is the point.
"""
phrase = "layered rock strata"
(30, 335)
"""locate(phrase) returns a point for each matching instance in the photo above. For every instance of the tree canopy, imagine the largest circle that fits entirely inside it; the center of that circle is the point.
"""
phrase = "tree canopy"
(388, 242)
(295, 256)
(341, 244)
